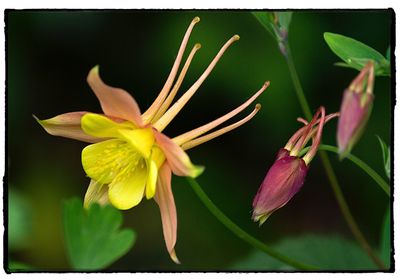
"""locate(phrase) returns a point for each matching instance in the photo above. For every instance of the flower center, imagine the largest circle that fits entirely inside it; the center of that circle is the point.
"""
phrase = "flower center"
(111, 161)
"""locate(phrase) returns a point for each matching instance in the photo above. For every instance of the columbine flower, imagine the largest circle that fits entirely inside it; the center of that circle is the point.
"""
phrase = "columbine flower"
(286, 176)
(355, 109)
(130, 156)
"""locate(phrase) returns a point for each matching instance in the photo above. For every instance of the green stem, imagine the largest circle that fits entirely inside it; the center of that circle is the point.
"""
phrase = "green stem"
(296, 83)
(357, 161)
(344, 208)
(239, 232)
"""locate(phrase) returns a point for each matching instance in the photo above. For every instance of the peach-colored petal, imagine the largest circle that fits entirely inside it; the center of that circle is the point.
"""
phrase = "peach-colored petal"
(67, 125)
(178, 160)
(114, 101)
(165, 201)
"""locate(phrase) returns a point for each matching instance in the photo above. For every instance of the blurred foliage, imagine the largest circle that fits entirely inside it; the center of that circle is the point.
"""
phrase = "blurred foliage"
(386, 239)
(329, 252)
(19, 220)
(277, 24)
(49, 54)
(356, 54)
(93, 239)
(18, 267)
(386, 156)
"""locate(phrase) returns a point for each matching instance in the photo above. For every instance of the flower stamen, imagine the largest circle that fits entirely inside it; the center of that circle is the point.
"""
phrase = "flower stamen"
(203, 139)
(178, 105)
(178, 83)
(180, 140)
(316, 140)
(152, 110)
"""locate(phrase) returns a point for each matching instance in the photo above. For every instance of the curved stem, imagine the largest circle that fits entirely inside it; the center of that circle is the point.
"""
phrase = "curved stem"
(344, 208)
(357, 161)
(239, 232)
(296, 83)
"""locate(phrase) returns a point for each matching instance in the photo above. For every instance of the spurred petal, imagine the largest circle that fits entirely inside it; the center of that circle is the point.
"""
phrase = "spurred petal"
(96, 193)
(178, 160)
(67, 125)
(128, 191)
(98, 125)
(114, 101)
(165, 201)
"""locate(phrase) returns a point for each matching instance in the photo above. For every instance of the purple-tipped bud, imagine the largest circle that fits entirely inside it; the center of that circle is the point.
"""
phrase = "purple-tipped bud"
(283, 180)
(355, 110)
(282, 153)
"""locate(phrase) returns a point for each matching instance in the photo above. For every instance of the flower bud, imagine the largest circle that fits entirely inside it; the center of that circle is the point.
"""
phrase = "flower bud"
(355, 110)
(283, 180)
(286, 176)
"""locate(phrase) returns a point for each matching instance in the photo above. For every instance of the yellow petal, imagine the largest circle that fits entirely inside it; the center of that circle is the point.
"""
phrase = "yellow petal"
(151, 179)
(128, 191)
(96, 193)
(141, 139)
(103, 161)
(157, 156)
(98, 125)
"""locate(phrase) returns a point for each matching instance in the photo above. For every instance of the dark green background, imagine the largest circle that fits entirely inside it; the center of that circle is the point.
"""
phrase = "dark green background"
(49, 54)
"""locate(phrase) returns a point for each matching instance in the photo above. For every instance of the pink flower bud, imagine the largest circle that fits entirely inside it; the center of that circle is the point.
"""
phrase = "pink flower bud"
(286, 176)
(355, 110)
(283, 180)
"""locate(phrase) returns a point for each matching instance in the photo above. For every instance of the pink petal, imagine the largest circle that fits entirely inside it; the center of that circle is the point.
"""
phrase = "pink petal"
(114, 101)
(165, 201)
(283, 180)
(178, 160)
(352, 120)
(67, 125)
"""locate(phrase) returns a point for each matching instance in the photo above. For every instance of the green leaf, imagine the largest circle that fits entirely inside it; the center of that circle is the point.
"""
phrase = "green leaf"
(284, 19)
(93, 238)
(357, 54)
(386, 156)
(329, 252)
(385, 250)
(276, 23)
(388, 54)
(267, 21)
(19, 220)
(14, 266)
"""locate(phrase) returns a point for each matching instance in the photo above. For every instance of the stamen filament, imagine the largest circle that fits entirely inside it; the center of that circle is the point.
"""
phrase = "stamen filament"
(178, 83)
(207, 127)
(357, 83)
(302, 140)
(174, 110)
(327, 118)
(316, 140)
(371, 77)
(203, 139)
(152, 110)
